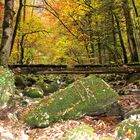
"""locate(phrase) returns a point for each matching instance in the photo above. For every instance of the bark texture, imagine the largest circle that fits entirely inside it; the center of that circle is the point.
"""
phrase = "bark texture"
(7, 32)
(130, 32)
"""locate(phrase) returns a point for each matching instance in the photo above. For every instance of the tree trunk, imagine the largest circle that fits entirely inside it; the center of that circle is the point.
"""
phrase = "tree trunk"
(99, 51)
(22, 50)
(24, 10)
(89, 30)
(121, 39)
(137, 31)
(114, 36)
(90, 33)
(32, 13)
(135, 8)
(1, 18)
(7, 32)
(130, 32)
(16, 24)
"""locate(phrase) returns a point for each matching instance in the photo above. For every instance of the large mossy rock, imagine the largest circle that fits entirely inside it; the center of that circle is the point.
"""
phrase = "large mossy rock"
(128, 129)
(85, 96)
(6, 86)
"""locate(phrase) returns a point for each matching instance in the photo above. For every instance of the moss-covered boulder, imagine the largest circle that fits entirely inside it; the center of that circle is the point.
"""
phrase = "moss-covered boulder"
(6, 86)
(81, 132)
(128, 129)
(48, 88)
(85, 96)
(20, 82)
(33, 92)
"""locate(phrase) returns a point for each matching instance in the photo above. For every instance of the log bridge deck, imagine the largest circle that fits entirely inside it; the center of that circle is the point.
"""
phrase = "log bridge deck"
(77, 69)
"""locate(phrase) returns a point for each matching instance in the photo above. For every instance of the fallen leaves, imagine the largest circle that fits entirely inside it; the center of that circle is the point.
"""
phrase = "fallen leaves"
(12, 127)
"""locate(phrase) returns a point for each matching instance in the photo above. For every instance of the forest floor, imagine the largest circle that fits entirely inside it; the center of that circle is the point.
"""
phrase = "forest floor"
(13, 128)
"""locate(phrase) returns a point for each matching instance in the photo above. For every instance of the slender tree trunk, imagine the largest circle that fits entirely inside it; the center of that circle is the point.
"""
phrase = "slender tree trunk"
(130, 32)
(111, 53)
(1, 18)
(89, 30)
(16, 24)
(24, 11)
(22, 35)
(18, 49)
(87, 50)
(114, 35)
(121, 39)
(7, 32)
(21, 50)
(135, 8)
(80, 61)
(136, 31)
(99, 51)
(32, 13)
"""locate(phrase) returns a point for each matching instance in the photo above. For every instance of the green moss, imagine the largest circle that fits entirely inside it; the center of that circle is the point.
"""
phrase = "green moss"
(6, 77)
(40, 119)
(82, 132)
(137, 137)
(6, 85)
(88, 95)
(128, 129)
(51, 88)
(33, 92)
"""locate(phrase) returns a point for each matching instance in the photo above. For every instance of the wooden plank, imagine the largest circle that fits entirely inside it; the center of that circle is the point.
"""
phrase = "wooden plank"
(77, 69)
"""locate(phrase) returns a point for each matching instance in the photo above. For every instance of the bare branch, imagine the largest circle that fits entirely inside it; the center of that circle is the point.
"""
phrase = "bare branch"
(32, 32)
(54, 13)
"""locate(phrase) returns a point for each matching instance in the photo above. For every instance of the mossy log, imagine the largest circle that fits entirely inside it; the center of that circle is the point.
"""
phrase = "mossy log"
(77, 69)
(85, 96)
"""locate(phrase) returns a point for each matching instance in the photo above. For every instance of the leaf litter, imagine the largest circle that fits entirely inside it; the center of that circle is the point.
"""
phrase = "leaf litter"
(13, 128)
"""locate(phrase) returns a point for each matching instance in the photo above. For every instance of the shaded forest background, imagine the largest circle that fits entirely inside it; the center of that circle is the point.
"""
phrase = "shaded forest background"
(73, 31)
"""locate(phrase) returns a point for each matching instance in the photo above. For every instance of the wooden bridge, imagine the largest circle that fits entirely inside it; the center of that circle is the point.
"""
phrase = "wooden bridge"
(76, 69)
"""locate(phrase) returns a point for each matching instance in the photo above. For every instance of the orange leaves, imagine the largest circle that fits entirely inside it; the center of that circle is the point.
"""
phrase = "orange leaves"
(1, 11)
(129, 133)
(84, 37)
(1, 5)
